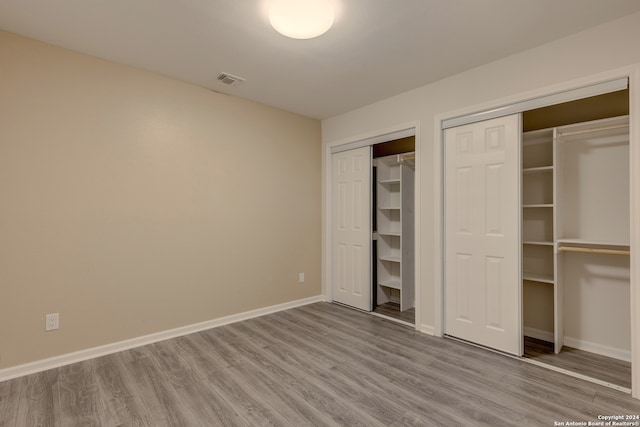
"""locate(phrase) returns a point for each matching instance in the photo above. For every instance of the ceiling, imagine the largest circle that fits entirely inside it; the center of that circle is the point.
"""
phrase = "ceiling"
(376, 48)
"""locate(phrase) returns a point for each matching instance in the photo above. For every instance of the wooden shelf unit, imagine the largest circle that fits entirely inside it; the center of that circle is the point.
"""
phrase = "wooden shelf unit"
(395, 229)
(538, 230)
(575, 193)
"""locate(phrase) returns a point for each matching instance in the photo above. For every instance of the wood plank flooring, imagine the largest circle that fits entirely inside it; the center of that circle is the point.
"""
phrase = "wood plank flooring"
(392, 309)
(603, 368)
(316, 365)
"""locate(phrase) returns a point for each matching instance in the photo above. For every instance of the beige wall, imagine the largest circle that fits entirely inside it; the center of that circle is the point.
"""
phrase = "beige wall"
(132, 203)
(594, 51)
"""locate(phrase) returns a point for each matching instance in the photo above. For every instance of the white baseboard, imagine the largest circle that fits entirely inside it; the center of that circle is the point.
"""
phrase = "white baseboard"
(90, 353)
(427, 329)
(539, 334)
(603, 350)
(591, 347)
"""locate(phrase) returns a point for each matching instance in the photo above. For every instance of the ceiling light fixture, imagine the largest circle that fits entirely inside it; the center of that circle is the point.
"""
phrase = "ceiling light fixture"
(301, 19)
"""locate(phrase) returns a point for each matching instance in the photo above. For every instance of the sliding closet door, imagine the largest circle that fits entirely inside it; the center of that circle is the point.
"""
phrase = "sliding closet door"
(351, 276)
(482, 222)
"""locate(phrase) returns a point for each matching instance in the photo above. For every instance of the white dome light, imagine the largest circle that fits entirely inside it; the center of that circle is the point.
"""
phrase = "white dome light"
(301, 19)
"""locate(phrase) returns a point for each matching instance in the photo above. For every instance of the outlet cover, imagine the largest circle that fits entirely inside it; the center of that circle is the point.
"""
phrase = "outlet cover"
(301, 278)
(52, 322)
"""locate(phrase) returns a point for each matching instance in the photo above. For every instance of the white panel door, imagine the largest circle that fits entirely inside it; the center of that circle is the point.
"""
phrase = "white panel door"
(351, 276)
(482, 233)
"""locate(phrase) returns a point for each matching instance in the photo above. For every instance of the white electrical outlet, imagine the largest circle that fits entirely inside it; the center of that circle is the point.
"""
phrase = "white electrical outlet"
(52, 322)
(301, 278)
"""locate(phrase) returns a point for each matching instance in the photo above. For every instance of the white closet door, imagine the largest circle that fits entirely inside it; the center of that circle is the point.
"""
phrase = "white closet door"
(482, 237)
(351, 281)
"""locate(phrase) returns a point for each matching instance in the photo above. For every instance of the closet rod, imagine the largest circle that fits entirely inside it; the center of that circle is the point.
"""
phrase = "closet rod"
(406, 157)
(578, 132)
(594, 250)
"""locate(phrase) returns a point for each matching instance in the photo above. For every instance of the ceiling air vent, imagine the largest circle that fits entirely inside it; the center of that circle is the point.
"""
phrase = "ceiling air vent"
(230, 79)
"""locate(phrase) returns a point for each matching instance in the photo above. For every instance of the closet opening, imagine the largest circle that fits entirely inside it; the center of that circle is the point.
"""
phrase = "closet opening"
(576, 237)
(373, 192)
(393, 237)
(536, 228)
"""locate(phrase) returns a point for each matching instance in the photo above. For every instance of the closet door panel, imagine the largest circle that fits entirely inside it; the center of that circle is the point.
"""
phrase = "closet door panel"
(351, 278)
(493, 202)
(460, 280)
(482, 238)
(463, 194)
(495, 289)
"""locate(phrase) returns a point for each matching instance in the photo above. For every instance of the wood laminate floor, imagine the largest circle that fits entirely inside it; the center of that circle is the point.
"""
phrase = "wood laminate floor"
(316, 365)
(603, 368)
(392, 309)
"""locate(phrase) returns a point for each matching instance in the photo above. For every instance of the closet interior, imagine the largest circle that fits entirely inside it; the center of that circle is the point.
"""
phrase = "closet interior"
(575, 237)
(393, 229)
